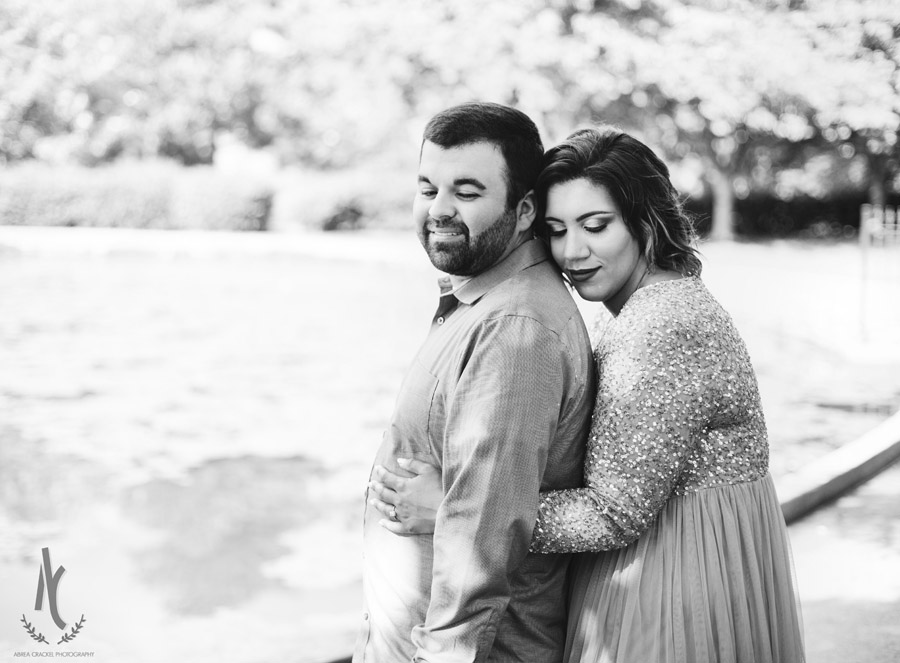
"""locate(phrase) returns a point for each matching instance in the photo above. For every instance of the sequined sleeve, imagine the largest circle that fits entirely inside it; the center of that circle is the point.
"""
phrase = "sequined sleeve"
(656, 391)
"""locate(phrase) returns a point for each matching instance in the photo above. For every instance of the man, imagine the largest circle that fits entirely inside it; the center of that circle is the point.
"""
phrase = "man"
(499, 397)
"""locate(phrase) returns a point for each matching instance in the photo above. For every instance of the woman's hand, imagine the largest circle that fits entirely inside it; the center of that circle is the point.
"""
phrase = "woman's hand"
(409, 504)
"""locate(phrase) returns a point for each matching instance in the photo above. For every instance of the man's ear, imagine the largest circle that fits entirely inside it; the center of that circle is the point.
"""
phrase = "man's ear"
(526, 212)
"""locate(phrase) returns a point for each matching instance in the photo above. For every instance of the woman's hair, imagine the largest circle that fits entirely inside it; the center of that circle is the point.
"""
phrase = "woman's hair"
(638, 182)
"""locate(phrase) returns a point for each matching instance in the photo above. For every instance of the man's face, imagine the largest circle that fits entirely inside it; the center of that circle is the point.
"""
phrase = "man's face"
(460, 209)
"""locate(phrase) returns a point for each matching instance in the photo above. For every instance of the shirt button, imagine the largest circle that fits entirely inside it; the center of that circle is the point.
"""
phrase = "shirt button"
(440, 320)
(365, 616)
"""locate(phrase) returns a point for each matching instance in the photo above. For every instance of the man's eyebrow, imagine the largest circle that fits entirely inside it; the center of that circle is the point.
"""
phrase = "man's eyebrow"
(462, 181)
(470, 181)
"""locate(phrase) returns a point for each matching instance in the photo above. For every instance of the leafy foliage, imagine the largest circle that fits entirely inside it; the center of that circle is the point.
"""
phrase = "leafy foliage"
(718, 86)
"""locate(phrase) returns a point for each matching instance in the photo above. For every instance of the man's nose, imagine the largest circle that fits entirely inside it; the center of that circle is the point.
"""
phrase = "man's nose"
(442, 207)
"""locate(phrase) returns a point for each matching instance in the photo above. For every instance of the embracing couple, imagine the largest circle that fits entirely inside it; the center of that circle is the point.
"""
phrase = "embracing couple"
(534, 500)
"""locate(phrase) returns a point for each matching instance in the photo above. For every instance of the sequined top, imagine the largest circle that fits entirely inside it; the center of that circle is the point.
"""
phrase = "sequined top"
(677, 411)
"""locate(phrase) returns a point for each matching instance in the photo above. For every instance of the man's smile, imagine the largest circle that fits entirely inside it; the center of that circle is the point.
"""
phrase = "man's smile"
(446, 233)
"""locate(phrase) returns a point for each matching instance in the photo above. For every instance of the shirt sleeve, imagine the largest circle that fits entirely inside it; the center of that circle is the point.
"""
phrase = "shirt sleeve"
(656, 392)
(501, 418)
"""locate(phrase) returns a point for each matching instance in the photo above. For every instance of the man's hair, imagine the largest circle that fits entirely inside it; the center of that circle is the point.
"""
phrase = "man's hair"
(638, 181)
(509, 129)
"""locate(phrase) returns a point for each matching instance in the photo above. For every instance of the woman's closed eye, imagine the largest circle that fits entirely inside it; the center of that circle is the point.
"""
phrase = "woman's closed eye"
(554, 230)
(558, 230)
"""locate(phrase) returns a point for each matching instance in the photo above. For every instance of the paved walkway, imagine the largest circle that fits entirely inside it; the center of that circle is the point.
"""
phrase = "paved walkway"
(847, 558)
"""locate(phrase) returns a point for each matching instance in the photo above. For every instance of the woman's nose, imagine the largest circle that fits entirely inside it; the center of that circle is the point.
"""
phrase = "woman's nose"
(575, 247)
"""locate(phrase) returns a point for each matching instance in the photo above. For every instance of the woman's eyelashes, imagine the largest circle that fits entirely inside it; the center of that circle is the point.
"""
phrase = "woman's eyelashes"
(559, 230)
(556, 231)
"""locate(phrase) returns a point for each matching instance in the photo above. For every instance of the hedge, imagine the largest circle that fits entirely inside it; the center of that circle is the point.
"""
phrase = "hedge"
(132, 195)
(802, 217)
(348, 199)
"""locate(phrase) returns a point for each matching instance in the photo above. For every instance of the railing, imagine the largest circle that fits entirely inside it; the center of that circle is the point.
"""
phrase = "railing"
(879, 235)
(840, 471)
(878, 226)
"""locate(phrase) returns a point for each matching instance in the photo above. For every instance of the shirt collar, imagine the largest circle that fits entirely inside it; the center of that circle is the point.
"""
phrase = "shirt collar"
(530, 252)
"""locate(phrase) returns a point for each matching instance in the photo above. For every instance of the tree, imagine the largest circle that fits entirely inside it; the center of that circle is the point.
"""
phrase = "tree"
(862, 116)
(714, 79)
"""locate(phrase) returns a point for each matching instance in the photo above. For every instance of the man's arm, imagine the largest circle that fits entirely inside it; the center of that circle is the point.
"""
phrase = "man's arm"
(502, 416)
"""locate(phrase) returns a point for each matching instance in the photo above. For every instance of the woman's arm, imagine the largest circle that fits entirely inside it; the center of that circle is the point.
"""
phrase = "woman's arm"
(655, 394)
(657, 390)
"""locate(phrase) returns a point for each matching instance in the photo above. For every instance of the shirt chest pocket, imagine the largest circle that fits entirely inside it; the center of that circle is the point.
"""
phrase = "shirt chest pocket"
(414, 422)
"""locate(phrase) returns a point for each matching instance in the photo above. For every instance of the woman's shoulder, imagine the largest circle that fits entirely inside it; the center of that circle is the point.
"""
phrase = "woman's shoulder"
(677, 307)
(681, 321)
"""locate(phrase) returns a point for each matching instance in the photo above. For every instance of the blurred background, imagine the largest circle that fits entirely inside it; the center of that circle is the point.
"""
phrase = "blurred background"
(210, 288)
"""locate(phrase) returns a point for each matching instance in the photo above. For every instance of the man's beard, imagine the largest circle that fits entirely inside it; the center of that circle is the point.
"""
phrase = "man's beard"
(470, 256)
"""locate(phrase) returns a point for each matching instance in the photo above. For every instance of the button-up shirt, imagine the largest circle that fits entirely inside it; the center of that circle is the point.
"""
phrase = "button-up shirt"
(499, 397)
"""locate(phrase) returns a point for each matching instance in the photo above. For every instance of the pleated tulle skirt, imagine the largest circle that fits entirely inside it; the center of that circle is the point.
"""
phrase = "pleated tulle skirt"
(711, 582)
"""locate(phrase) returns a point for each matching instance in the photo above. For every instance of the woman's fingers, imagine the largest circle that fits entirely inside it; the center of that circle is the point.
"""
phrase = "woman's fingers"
(406, 502)
(388, 478)
(396, 482)
(382, 506)
(395, 526)
(383, 493)
(416, 466)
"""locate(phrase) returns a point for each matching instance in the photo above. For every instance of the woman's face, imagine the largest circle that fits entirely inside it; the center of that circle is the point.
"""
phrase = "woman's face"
(591, 243)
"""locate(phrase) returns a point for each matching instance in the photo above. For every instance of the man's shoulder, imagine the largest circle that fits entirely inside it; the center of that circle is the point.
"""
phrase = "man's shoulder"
(536, 292)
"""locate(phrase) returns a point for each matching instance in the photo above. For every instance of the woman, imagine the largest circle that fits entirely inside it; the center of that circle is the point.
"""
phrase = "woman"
(676, 491)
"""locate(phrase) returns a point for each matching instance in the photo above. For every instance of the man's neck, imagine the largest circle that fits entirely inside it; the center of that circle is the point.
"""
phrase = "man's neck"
(458, 281)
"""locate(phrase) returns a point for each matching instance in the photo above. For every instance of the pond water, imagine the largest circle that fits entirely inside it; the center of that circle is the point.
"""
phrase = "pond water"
(189, 430)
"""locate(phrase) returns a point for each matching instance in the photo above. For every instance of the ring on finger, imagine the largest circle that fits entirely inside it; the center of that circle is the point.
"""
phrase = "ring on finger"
(393, 515)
